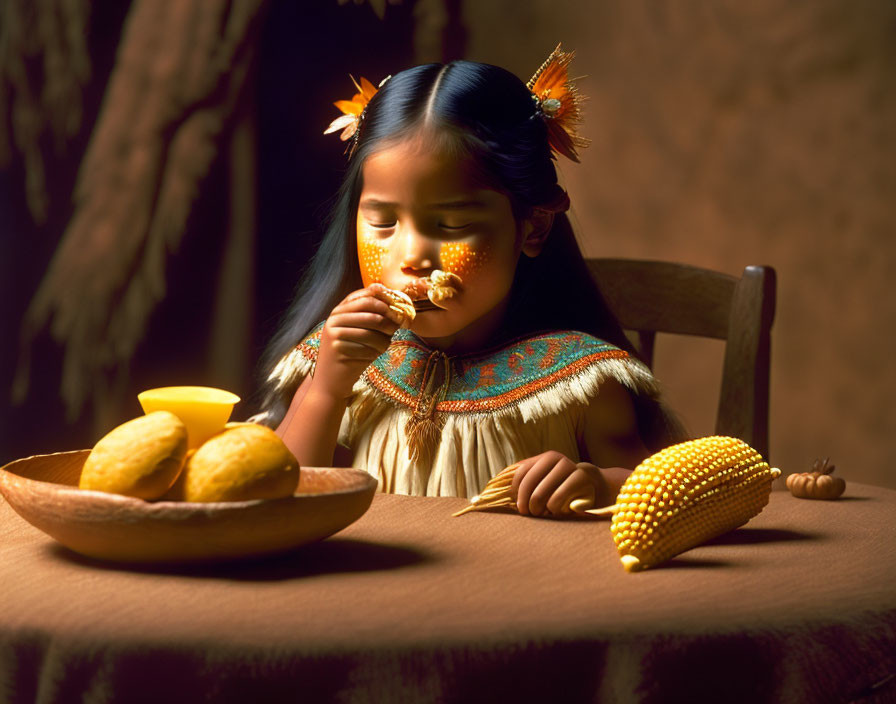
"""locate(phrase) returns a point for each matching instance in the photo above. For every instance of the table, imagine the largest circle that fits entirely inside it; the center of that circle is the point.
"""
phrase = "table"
(410, 604)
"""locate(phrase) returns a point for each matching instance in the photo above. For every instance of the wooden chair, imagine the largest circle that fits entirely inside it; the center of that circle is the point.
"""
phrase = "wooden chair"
(650, 297)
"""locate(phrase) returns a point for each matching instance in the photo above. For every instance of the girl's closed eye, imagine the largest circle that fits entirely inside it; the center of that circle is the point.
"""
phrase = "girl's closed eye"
(452, 227)
(461, 220)
(377, 215)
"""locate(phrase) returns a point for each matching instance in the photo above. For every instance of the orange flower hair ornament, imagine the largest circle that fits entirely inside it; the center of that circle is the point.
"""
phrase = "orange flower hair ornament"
(556, 97)
(559, 102)
(353, 111)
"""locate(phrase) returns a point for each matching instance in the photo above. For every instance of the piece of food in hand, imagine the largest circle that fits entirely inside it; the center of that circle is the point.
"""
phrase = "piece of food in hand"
(402, 304)
(817, 484)
(434, 289)
(442, 286)
(685, 495)
(416, 290)
(140, 458)
(243, 462)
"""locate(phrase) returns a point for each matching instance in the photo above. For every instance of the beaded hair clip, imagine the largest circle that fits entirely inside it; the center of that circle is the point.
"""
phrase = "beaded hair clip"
(557, 100)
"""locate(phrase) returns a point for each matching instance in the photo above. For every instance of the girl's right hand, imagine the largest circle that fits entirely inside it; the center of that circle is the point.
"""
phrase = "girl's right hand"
(357, 331)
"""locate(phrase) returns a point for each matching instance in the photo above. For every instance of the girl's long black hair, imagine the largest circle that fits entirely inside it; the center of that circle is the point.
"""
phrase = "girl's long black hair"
(489, 114)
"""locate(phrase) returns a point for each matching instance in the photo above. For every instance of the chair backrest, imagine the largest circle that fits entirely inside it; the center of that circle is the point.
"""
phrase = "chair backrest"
(650, 297)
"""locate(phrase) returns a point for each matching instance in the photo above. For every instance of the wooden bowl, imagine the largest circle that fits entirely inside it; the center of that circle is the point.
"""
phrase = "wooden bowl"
(44, 491)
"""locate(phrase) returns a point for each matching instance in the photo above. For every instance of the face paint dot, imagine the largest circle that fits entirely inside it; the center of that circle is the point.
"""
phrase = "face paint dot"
(462, 259)
(371, 258)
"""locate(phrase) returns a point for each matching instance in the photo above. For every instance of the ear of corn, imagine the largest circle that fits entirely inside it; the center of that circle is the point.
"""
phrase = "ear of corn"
(685, 495)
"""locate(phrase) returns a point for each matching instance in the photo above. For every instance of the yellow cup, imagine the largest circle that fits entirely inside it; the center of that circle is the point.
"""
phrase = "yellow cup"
(202, 409)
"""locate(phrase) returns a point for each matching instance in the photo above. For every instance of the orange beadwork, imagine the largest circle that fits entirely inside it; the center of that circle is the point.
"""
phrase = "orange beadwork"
(401, 372)
(384, 385)
(371, 257)
(462, 259)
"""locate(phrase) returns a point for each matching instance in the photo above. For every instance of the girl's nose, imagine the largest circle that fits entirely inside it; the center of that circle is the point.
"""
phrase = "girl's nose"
(412, 266)
(417, 257)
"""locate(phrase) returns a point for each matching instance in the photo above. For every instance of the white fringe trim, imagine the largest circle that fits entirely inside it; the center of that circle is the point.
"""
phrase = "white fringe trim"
(286, 376)
(579, 388)
(290, 370)
(582, 387)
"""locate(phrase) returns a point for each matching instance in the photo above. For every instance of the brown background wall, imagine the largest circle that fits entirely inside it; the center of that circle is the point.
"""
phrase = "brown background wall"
(723, 134)
(726, 134)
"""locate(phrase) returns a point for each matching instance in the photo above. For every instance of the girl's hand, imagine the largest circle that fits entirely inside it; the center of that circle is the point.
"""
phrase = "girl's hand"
(357, 331)
(547, 483)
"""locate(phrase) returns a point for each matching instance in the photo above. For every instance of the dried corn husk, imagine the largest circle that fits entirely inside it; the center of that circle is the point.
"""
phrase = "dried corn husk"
(497, 495)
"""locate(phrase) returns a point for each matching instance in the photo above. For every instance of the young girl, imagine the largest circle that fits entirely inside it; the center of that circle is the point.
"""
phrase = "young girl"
(451, 169)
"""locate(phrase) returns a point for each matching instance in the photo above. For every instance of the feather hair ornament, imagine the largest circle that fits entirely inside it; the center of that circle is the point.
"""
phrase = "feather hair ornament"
(353, 111)
(559, 103)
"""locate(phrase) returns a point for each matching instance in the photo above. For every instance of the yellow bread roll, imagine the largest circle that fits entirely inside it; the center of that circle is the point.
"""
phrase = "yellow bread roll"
(140, 458)
(176, 491)
(245, 461)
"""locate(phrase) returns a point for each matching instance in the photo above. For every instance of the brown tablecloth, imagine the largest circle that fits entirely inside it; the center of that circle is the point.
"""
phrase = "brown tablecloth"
(410, 604)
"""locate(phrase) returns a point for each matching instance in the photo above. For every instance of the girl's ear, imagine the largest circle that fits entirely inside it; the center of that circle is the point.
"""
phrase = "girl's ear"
(535, 231)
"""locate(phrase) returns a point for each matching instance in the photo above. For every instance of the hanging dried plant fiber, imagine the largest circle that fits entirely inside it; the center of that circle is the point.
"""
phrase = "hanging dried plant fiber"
(180, 69)
(51, 36)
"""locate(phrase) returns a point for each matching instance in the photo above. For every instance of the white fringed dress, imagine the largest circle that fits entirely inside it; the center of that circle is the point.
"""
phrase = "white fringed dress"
(430, 424)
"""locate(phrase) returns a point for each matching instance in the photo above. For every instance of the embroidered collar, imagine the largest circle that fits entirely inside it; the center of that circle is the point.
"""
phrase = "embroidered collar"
(484, 381)
(479, 382)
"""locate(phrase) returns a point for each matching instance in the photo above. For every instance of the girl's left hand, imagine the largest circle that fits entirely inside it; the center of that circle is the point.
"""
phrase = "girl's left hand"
(547, 483)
